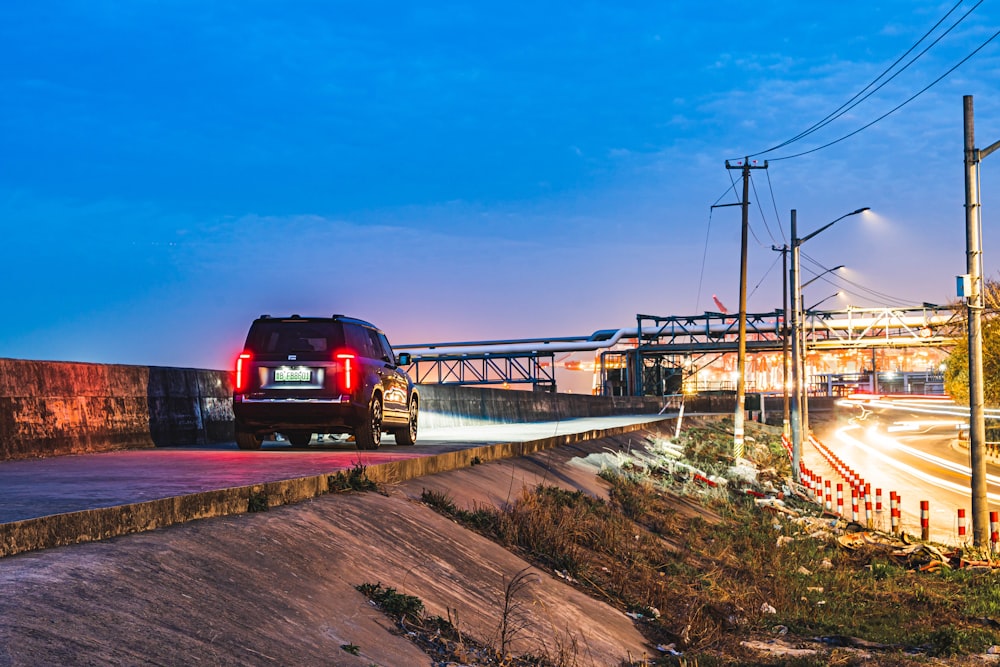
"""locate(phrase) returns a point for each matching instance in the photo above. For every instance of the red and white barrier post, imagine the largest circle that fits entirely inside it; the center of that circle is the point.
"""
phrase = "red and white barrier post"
(840, 499)
(829, 496)
(868, 505)
(894, 512)
(925, 520)
(854, 505)
(961, 524)
(994, 530)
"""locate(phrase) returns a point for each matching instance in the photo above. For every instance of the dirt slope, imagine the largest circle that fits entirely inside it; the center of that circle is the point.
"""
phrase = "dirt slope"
(278, 587)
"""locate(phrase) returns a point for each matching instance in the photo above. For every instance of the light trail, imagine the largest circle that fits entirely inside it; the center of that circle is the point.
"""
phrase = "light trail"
(890, 443)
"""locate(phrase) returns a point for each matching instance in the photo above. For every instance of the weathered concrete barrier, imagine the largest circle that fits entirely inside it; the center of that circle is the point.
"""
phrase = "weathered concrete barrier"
(450, 405)
(49, 407)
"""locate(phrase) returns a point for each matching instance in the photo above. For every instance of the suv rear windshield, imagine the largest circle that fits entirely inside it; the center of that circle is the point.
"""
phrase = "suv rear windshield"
(305, 338)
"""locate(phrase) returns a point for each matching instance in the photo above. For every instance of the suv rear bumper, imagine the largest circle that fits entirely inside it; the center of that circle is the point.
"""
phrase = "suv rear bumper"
(329, 415)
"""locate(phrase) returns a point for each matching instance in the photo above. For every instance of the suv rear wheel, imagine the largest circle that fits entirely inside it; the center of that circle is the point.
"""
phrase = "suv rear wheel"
(298, 438)
(369, 433)
(247, 440)
(408, 435)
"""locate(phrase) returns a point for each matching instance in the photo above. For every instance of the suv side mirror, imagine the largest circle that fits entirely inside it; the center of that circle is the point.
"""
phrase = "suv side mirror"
(403, 359)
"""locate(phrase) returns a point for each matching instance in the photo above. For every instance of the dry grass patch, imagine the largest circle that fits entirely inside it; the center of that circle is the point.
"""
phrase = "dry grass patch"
(706, 587)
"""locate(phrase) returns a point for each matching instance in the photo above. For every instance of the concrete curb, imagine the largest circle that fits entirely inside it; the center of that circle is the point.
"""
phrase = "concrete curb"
(106, 522)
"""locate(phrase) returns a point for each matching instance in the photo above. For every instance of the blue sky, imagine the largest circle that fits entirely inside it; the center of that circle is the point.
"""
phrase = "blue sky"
(450, 171)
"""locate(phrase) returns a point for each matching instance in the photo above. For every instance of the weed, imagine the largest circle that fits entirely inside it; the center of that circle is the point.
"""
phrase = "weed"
(514, 618)
(713, 575)
(355, 479)
(257, 502)
(439, 501)
(475, 461)
(399, 605)
(351, 648)
(949, 641)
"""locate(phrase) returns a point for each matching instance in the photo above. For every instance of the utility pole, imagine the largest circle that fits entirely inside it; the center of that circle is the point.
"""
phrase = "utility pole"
(796, 301)
(974, 306)
(785, 424)
(739, 415)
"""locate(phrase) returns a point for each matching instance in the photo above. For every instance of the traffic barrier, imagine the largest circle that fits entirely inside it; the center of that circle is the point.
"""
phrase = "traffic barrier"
(854, 504)
(961, 524)
(894, 512)
(829, 496)
(868, 505)
(840, 499)
(994, 530)
(925, 520)
(878, 500)
(705, 480)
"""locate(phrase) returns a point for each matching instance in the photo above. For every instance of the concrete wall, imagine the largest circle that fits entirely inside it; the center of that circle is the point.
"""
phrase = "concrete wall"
(449, 405)
(49, 408)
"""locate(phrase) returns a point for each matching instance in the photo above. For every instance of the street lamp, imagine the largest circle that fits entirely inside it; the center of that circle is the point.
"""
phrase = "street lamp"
(794, 278)
(820, 275)
(803, 314)
(811, 308)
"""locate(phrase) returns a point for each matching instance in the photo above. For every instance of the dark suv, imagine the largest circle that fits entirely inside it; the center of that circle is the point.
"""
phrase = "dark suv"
(303, 375)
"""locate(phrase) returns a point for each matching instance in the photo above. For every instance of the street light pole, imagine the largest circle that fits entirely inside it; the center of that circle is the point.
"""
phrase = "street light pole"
(974, 306)
(786, 369)
(803, 318)
(793, 280)
(798, 398)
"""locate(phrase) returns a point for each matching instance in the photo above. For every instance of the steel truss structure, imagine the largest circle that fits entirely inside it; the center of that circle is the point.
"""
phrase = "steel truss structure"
(672, 346)
(660, 351)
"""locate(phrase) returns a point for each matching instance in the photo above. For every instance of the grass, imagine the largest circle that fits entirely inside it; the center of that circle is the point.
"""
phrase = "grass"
(355, 479)
(398, 605)
(257, 502)
(707, 584)
(447, 644)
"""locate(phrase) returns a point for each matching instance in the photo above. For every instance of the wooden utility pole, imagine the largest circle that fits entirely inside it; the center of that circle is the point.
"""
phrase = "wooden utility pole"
(740, 411)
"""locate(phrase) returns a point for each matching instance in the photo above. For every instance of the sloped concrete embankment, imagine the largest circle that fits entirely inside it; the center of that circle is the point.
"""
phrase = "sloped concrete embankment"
(278, 587)
(50, 408)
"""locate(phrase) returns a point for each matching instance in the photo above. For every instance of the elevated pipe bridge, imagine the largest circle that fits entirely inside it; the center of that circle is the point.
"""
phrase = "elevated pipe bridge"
(532, 360)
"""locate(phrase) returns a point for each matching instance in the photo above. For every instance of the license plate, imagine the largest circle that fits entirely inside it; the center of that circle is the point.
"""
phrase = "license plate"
(292, 375)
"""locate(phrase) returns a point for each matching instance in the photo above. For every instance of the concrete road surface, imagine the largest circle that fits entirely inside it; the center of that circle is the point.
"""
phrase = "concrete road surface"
(43, 487)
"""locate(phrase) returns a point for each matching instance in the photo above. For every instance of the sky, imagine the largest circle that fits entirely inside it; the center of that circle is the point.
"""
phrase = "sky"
(451, 171)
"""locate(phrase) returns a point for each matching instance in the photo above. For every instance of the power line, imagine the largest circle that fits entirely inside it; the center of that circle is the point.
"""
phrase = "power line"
(761, 209)
(704, 256)
(854, 101)
(896, 108)
(775, 204)
(868, 292)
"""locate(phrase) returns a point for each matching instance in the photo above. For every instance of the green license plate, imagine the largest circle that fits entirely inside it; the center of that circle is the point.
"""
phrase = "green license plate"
(292, 375)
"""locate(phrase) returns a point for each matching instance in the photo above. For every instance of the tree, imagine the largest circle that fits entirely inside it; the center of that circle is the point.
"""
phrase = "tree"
(956, 375)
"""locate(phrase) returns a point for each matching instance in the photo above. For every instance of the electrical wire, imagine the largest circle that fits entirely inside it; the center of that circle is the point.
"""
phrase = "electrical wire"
(764, 277)
(864, 93)
(763, 217)
(775, 204)
(865, 292)
(704, 257)
(897, 107)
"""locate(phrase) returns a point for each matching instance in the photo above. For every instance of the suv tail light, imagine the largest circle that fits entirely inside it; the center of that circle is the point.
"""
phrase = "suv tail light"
(346, 370)
(242, 371)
